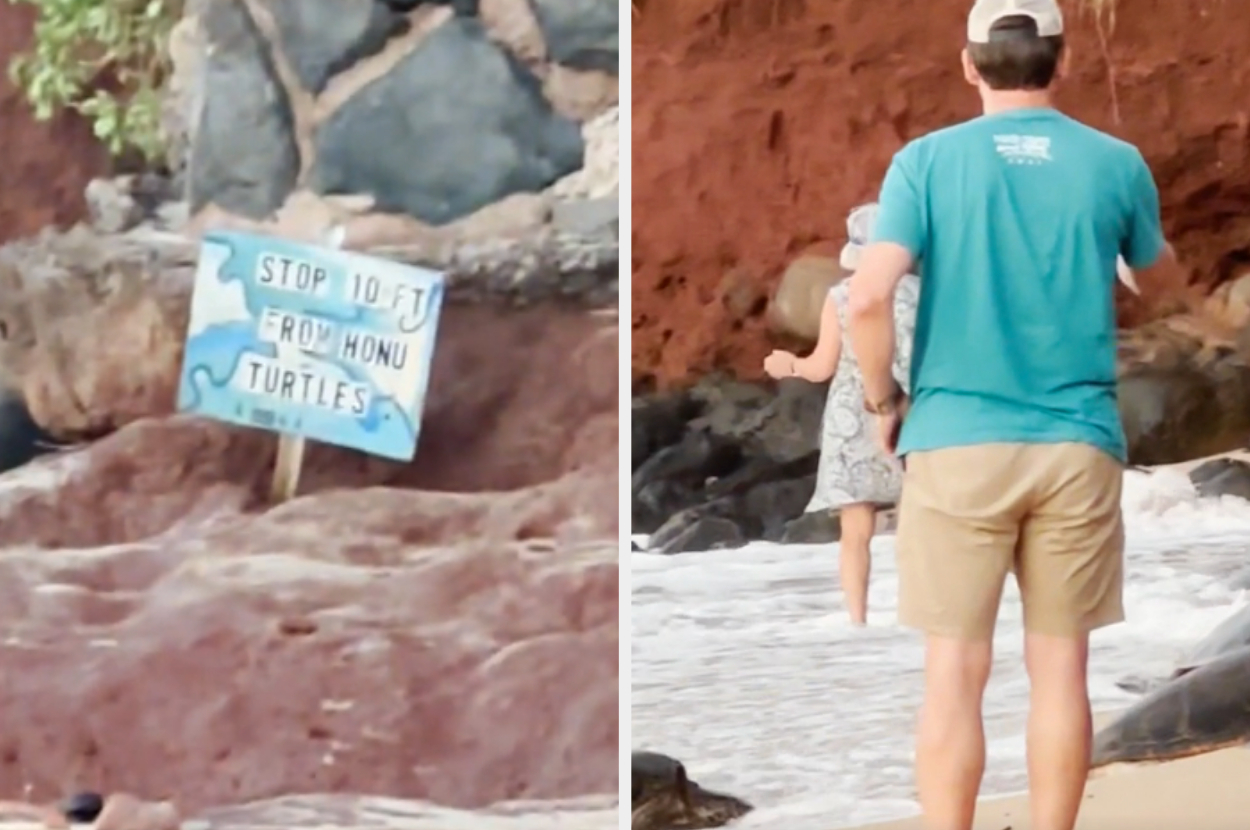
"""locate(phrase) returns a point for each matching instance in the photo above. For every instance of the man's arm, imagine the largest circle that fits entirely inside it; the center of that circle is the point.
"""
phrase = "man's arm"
(870, 316)
(1155, 268)
(898, 239)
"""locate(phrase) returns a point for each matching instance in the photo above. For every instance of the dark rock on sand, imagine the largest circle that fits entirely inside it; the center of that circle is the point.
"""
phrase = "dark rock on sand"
(1199, 712)
(1222, 477)
(82, 808)
(663, 797)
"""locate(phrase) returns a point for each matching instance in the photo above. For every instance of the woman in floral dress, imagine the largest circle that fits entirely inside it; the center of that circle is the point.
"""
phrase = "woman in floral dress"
(855, 476)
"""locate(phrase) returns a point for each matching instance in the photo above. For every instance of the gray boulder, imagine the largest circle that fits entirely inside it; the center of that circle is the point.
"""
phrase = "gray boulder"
(1222, 477)
(581, 34)
(688, 531)
(323, 37)
(244, 156)
(455, 126)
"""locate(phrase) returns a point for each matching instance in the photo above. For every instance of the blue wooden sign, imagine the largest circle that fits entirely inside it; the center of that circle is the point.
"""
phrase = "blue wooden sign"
(315, 342)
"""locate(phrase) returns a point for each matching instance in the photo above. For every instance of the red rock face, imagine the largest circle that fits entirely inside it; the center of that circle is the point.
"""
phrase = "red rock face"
(444, 630)
(757, 125)
(46, 165)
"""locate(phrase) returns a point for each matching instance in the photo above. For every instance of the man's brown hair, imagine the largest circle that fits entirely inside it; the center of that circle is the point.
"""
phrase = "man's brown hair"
(1016, 56)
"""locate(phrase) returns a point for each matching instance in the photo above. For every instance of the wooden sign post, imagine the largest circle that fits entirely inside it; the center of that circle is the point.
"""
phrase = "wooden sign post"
(312, 342)
(289, 461)
(286, 468)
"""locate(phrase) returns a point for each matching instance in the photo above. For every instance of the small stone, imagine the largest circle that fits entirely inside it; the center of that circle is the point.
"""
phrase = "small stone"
(598, 218)
(111, 206)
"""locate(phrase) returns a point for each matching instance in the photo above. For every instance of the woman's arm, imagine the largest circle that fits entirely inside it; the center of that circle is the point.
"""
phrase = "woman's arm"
(822, 363)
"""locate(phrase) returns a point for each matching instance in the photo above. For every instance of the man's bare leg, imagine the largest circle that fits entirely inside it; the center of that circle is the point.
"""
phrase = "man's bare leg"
(858, 523)
(950, 745)
(1060, 728)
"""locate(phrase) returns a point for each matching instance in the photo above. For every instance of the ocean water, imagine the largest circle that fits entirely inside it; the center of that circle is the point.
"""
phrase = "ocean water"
(746, 668)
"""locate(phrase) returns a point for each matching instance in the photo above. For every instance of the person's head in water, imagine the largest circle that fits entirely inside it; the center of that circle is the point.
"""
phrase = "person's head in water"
(1015, 51)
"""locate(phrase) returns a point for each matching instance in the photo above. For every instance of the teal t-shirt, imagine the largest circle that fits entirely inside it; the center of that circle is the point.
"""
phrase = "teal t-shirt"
(1016, 220)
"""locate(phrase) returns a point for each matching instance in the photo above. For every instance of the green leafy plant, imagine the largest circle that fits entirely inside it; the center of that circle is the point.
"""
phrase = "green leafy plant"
(105, 59)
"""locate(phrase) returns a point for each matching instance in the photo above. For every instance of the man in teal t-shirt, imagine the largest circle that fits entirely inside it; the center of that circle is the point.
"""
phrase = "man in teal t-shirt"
(1012, 440)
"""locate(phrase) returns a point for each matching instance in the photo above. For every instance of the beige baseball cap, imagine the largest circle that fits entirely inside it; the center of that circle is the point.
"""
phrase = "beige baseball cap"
(985, 13)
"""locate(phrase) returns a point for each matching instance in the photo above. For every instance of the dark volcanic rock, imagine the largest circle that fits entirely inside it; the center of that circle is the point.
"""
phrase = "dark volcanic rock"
(658, 421)
(323, 37)
(1222, 477)
(664, 797)
(581, 34)
(771, 505)
(244, 157)
(747, 457)
(689, 531)
(456, 125)
(747, 452)
(815, 528)
(21, 439)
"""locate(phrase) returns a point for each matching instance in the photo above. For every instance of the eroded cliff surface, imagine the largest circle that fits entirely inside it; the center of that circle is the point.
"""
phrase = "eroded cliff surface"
(757, 124)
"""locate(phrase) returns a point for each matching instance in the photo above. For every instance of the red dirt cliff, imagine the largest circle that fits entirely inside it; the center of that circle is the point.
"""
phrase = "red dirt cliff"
(757, 124)
(45, 166)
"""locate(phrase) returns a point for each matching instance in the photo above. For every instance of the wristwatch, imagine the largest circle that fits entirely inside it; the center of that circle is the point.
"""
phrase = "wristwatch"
(886, 406)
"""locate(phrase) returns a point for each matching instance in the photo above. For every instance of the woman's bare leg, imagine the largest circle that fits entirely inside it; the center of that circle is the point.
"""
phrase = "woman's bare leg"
(859, 521)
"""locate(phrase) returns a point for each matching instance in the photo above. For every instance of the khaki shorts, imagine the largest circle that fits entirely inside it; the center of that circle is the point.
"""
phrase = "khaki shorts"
(1049, 513)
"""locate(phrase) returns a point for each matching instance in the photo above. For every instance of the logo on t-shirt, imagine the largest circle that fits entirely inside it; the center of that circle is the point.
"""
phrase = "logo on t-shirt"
(1023, 149)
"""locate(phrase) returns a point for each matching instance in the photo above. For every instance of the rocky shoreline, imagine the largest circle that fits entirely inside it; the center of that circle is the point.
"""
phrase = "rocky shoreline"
(726, 461)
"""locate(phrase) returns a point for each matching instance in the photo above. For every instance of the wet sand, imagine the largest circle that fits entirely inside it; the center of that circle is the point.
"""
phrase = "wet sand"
(1207, 792)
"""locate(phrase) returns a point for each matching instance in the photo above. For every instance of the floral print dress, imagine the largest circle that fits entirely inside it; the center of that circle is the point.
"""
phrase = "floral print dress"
(852, 468)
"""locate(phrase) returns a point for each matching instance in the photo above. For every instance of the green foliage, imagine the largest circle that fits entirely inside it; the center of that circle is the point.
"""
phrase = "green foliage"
(106, 59)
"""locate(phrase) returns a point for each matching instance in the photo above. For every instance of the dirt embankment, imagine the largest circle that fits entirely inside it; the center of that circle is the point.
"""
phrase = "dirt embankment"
(757, 124)
(45, 166)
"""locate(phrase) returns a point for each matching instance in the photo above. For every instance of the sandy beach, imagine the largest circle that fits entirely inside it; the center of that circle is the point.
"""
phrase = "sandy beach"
(1207, 791)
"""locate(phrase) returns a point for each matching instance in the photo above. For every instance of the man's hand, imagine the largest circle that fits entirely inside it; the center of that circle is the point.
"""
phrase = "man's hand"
(780, 364)
(890, 425)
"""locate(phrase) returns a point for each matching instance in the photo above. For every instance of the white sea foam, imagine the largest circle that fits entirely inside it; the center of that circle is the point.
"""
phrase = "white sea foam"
(745, 667)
